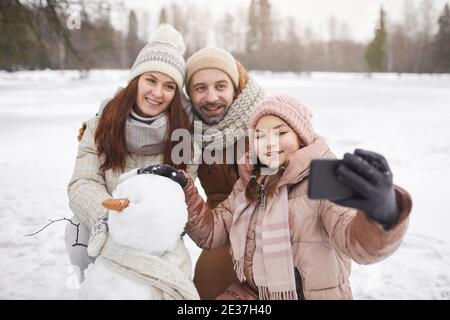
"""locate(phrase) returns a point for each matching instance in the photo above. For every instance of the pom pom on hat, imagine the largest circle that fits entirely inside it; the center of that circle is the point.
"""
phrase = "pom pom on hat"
(163, 53)
(166, 33)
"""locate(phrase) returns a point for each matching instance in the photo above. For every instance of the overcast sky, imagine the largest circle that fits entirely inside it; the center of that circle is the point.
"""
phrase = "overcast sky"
(360, 15)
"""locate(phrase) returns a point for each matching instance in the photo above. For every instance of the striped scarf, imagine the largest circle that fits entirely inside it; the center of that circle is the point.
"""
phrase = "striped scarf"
(273, 267)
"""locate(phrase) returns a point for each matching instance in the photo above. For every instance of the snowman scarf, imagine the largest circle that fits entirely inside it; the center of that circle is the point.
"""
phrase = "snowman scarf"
(165, 274)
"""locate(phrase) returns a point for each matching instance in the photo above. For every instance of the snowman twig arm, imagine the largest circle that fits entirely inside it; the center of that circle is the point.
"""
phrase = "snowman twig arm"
(77, 225)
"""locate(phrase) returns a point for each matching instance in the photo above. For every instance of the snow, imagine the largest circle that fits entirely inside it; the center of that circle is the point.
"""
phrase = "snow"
(406, 118)
(104, 284)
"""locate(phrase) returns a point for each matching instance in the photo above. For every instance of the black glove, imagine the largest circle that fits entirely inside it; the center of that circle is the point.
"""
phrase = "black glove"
(165, 171)
(369, 174)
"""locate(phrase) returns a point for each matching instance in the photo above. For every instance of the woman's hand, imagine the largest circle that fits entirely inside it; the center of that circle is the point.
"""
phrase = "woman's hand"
(99, 234)
(166, 171)
(369, 174)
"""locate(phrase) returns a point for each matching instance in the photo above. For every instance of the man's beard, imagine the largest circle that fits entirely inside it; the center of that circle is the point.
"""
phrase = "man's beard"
(213, 120)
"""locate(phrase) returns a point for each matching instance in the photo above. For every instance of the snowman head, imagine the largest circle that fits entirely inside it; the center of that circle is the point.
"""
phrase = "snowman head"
(150, 213)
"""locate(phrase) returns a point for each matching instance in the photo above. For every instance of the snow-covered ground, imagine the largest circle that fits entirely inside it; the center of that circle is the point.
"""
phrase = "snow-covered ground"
(405, 118)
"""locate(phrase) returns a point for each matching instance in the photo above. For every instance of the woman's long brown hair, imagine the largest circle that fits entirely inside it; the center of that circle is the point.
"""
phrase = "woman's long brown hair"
(110, 133)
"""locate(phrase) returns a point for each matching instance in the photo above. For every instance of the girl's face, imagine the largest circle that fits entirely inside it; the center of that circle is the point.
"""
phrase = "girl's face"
(155, 93)
(274, 141)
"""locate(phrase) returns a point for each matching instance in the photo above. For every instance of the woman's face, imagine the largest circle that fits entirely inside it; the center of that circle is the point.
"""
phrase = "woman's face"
(155, 93)
(274, 141)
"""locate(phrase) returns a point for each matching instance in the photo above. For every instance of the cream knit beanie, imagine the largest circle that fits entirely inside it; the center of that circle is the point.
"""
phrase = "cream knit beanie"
(163, 53)
(212, 58)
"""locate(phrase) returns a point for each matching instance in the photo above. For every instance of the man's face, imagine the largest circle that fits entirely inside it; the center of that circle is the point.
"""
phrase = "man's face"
(212, 93)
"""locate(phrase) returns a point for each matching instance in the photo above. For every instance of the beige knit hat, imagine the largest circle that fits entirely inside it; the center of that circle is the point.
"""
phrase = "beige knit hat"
(291, 110)
(163, 53)
(212, 58)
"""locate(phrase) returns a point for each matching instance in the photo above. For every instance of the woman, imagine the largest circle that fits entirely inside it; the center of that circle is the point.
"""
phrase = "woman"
(285, 245)
(132, 130)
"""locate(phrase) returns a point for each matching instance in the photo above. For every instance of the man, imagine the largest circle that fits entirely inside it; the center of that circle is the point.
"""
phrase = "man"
(222, 96)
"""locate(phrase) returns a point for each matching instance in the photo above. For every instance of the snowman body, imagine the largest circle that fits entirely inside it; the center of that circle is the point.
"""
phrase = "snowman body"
(152, 224)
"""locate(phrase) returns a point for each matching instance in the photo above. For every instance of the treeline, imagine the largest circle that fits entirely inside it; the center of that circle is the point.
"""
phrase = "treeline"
(412, 46)
(65, 34)
(418, 44)
(77, 34)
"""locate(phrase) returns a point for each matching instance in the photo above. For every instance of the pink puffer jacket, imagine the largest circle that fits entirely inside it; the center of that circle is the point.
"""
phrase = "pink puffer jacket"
(325, 237)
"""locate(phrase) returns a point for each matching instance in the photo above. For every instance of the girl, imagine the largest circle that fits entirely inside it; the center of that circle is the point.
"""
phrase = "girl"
(285, 245)
(132, 130)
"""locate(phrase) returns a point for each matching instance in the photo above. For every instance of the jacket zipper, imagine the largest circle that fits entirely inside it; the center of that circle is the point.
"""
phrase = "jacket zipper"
(262, 197)
(299, 284)
(340, 275)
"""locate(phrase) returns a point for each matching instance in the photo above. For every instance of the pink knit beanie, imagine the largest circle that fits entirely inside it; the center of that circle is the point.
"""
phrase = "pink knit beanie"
(290, 110)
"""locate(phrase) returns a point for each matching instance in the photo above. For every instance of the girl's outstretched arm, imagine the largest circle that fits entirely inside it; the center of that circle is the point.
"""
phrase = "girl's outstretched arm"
(208, 228)
(364, 240)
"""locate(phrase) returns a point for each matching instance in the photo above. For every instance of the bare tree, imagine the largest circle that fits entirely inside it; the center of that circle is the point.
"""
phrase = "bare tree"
(145, 26)
(226, 36)
(410, 24)
(197, 35)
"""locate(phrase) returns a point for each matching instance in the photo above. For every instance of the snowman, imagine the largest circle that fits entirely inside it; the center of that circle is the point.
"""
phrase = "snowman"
(138, 243)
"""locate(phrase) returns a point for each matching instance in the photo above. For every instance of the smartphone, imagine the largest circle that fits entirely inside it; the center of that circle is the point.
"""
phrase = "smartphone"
(323, 182)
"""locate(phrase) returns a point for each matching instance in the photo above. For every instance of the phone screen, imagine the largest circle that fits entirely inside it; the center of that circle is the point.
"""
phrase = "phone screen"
(323, 182)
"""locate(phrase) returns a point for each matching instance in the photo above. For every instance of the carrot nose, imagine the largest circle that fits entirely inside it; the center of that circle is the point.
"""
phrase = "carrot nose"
(116, 204)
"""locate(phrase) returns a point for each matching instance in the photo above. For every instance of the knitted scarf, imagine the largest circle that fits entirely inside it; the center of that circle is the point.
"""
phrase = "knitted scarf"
(234, 125)
(145, 135)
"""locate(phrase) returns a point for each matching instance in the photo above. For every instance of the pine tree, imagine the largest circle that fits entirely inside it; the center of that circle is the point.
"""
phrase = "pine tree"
(375, 54)
(293, 50)
(265, 23)
(162, 16)
(132, 42)
(32, 33)
(18, 38)
(442, 42)
(252, 34)
(104, 44)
